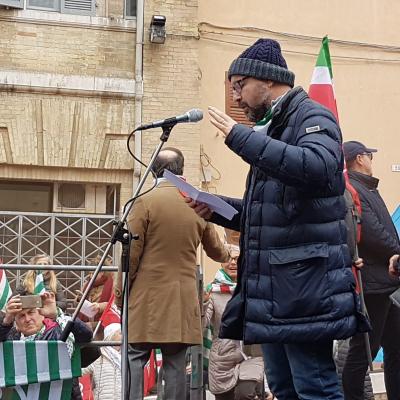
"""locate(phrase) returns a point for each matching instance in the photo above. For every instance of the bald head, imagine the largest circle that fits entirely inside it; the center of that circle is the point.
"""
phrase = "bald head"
(171, 159)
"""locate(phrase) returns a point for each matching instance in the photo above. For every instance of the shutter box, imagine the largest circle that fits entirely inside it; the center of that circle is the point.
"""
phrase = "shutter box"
(12, 3)
(80, 7)
(231, 107)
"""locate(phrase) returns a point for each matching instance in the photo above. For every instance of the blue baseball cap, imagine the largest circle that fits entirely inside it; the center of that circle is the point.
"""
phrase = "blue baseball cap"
(353, 148)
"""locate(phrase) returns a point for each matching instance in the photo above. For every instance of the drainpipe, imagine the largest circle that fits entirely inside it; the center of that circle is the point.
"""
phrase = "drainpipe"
(138, 88)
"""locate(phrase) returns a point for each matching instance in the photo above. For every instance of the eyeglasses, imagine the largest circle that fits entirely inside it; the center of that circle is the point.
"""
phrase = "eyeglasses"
(369, 155)
(237, 86)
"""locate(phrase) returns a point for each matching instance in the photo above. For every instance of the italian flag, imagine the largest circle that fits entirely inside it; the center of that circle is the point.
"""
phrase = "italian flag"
(321, 91)
(39, 283)
(37, 370)
(321, 87)
(5, 290)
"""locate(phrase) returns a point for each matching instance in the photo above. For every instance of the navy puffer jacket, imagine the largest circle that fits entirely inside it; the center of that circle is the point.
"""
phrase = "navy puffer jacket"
(295, 282)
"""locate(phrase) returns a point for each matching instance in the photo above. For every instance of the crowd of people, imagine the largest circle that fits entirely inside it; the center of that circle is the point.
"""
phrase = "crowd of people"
(46, 322)
(269, 319)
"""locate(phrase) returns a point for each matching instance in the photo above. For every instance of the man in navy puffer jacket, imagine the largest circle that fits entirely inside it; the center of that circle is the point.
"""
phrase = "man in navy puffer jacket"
(295, 291)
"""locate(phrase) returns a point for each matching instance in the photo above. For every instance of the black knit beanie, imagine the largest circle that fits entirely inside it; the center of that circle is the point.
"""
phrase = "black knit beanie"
(263, 60)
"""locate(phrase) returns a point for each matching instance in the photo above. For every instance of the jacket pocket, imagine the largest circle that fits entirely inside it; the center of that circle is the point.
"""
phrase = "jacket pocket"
(299, 281)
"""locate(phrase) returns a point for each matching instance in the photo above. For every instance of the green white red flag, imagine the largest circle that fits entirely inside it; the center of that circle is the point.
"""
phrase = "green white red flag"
(321, 87)
(322, 91)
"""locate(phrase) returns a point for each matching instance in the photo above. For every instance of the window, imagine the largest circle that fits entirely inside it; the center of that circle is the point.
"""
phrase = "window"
(12, 3)
(51, 5)
(231, 108)
(26, 196)
(81, 7)
(130, 8)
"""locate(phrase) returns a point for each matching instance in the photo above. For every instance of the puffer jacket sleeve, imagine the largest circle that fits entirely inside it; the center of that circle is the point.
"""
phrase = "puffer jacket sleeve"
(374, 234)
(81, 331)
(234, 223)
(313, 160)
(208, 312)
(5, 332)
(90, 369)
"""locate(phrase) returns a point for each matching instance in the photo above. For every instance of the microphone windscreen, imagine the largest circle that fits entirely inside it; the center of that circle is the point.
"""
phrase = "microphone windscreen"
(195, 115)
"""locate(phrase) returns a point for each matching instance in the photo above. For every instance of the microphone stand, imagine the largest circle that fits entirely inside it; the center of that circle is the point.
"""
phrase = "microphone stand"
(122, 235)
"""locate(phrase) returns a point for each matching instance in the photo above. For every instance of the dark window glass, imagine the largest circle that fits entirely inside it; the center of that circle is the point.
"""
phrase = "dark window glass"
(130, 8)
(26, 196)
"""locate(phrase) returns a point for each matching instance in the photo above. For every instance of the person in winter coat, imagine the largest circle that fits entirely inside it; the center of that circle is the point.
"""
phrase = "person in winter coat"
(49, 278)
(295, 290)
(232, 374)
(106, 370)
(42, 324)
(379, 241)
(164, 310)
(341, 350)
(100, 292)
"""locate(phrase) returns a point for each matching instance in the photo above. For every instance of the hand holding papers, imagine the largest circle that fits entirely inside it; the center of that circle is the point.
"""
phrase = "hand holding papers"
(88, 310)
(214, 202)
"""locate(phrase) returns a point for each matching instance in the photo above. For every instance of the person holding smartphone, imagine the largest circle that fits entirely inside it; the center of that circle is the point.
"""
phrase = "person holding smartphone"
(43, 323)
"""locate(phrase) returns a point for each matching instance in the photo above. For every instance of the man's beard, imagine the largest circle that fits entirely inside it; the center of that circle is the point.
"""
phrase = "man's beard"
(254, 114)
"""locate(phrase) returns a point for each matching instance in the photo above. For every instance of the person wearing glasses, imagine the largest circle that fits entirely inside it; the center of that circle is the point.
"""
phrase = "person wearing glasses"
(379, 241)
(295, 292)
(235, 371)
(50, 280)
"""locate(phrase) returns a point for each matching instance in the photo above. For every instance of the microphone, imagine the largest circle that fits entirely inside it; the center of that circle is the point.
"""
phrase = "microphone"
(194, 115)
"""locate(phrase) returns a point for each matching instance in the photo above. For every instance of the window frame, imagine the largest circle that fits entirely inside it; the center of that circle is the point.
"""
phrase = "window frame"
(126, 8)
(18, 4)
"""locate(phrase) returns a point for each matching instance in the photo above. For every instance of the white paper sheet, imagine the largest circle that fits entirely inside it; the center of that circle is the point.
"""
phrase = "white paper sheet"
(214, 202)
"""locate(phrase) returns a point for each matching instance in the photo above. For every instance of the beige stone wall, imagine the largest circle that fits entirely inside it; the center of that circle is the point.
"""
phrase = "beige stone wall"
(67, 109)
(52, 47)
(68, 123)
(65, 131)
(172, 79)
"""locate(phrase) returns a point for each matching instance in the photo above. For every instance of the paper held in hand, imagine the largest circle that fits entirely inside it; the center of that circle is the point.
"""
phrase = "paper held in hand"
(214, 202)
(87, 309)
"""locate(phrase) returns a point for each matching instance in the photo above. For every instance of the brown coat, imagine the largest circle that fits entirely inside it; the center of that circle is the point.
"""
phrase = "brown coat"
(163, 301)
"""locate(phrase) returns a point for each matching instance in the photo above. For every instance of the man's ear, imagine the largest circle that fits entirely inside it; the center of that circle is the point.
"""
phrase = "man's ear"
(359, 160)
(269, 83)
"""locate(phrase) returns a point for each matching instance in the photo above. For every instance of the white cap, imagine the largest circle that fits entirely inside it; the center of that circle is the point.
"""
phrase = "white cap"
(109, 330)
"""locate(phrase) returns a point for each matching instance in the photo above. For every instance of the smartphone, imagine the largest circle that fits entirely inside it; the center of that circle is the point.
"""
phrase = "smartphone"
(395, 297)
(31, 301)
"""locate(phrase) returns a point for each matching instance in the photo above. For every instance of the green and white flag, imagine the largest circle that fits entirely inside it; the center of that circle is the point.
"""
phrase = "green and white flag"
(5, 290)
(37, 370)
(39, 283)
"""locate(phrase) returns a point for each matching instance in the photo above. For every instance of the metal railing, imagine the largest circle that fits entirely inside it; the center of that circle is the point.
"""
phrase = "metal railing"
(196, 387)
(68, 239)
